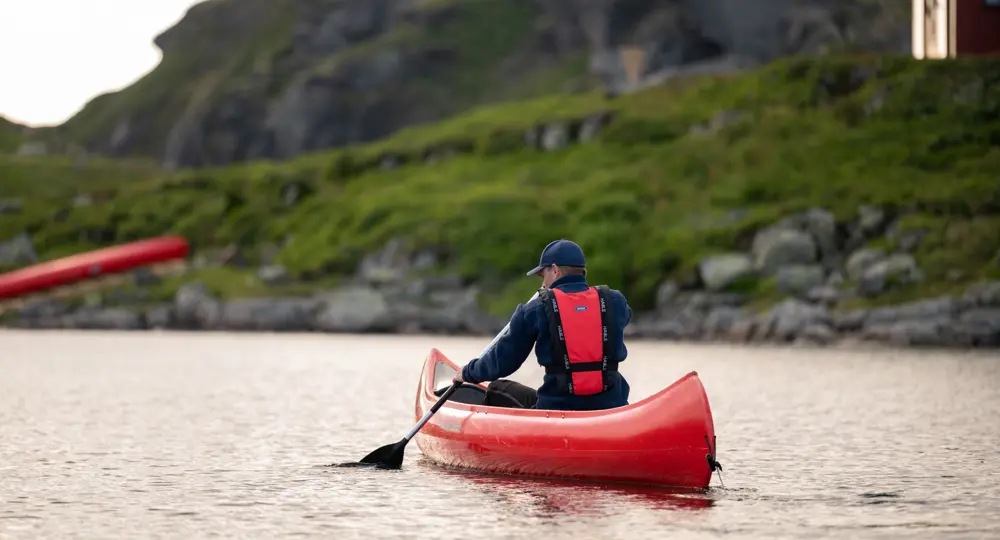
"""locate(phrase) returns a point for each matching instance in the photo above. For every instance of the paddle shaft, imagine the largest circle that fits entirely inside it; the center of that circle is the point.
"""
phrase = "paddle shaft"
(434, 408)
(505, 328)
(444, 397)
(391, 455)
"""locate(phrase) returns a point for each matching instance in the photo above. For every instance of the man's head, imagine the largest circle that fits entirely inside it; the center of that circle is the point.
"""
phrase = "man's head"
(559, 258)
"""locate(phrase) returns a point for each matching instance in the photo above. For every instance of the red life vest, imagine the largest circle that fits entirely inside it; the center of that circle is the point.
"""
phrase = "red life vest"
(580, 324)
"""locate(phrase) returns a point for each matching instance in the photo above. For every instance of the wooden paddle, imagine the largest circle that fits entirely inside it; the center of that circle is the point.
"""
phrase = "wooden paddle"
(390, 456)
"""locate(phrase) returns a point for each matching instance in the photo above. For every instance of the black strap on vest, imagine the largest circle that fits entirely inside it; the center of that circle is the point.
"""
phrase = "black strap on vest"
(561, 366)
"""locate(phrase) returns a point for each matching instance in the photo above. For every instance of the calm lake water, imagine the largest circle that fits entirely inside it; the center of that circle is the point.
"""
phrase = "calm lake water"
(150, 435)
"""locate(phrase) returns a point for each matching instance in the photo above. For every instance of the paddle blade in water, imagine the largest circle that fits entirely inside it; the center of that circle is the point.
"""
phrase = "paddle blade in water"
(389, 456)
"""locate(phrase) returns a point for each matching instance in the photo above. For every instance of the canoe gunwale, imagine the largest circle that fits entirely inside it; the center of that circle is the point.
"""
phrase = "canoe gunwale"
(436, 357)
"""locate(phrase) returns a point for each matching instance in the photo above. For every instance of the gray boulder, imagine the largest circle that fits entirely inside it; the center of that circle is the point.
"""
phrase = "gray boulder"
(980, 327)
(455, 311)
(922, 323)
(161, 317)
(268, 314)
(914, 333)
(827, 294)
(274, 274)
(104, 319)
(871, 220)
(386, 265)
(818, 333)
(898, 269)
(787, 320)
(985, 294)
(940, 309)
(195, 308)
(910, 240)
(43, 309)
(780, 246)
(799, 278)
(393, 263)
(719, 271)
(666, 293)
(822, 225)
(554, 136)
(849, 321)
(352, 309)
(861, 260)
(719, 321)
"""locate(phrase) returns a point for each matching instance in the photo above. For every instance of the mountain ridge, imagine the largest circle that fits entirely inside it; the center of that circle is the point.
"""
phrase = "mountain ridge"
(254, 79)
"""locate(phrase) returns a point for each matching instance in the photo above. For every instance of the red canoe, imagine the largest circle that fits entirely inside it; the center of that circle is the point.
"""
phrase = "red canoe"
(660, 440)
(91, 264)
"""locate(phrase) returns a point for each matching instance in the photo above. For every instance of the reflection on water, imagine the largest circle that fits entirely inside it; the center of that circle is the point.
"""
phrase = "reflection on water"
(150, 435)
(553, 499)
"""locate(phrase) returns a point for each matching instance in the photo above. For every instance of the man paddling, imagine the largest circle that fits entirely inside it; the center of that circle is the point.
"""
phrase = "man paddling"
(581, 368)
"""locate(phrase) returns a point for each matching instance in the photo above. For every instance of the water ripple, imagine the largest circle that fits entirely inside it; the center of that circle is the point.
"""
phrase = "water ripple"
(182, 436)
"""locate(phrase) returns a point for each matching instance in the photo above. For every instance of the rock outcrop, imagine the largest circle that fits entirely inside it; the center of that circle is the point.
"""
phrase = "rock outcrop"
(817, 265)
(276, 78)
(671, 37)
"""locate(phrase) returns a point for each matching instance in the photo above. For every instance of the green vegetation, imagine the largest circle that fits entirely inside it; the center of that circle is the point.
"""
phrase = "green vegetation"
(647, 199)
(10, 136)
(452, 55)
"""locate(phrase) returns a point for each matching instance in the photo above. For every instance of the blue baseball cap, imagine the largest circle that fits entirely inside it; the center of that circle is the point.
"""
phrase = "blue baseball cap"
(561, 252)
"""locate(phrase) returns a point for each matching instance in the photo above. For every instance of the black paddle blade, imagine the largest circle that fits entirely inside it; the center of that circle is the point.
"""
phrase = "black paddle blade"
(389, 456)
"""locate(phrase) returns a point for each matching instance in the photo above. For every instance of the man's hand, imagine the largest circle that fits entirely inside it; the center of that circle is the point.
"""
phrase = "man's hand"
(458, 378)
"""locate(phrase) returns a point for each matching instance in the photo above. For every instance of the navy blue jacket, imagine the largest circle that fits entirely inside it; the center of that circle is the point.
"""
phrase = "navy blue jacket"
(529, 326)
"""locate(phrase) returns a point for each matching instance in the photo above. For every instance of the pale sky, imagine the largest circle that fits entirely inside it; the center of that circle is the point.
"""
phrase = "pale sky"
(55, 55)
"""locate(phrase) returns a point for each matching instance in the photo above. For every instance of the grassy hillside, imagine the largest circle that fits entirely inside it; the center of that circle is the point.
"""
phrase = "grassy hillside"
(249, 54)
(10, 136)
(216, 45)
(656, 191)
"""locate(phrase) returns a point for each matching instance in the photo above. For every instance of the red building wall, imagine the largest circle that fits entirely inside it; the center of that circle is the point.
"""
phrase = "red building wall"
(977, 27)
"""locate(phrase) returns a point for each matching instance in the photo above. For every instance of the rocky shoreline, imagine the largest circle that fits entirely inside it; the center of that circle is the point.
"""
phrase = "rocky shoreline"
(424, 307)
(971, 320)
(966, 321)
(813, 267)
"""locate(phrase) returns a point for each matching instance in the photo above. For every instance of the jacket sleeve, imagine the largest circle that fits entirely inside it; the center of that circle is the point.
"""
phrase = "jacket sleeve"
(623, 314)
(507, 355)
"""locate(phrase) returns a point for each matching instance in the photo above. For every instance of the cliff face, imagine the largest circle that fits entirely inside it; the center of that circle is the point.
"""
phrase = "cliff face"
(681, 35)
(249, 79)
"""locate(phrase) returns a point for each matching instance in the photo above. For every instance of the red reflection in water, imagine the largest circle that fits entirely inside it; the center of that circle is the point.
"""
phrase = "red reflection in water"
(550, 497)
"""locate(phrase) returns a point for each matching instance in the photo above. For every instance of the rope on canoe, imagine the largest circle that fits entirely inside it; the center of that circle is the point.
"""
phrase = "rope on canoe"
(713, 464)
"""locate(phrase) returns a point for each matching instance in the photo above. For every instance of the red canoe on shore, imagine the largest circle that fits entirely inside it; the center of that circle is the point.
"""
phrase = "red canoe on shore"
(89, 265)
(661, 440)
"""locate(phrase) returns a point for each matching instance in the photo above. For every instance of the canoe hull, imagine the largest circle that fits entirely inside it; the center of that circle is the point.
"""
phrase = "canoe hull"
(92, 264)
(660, 440)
